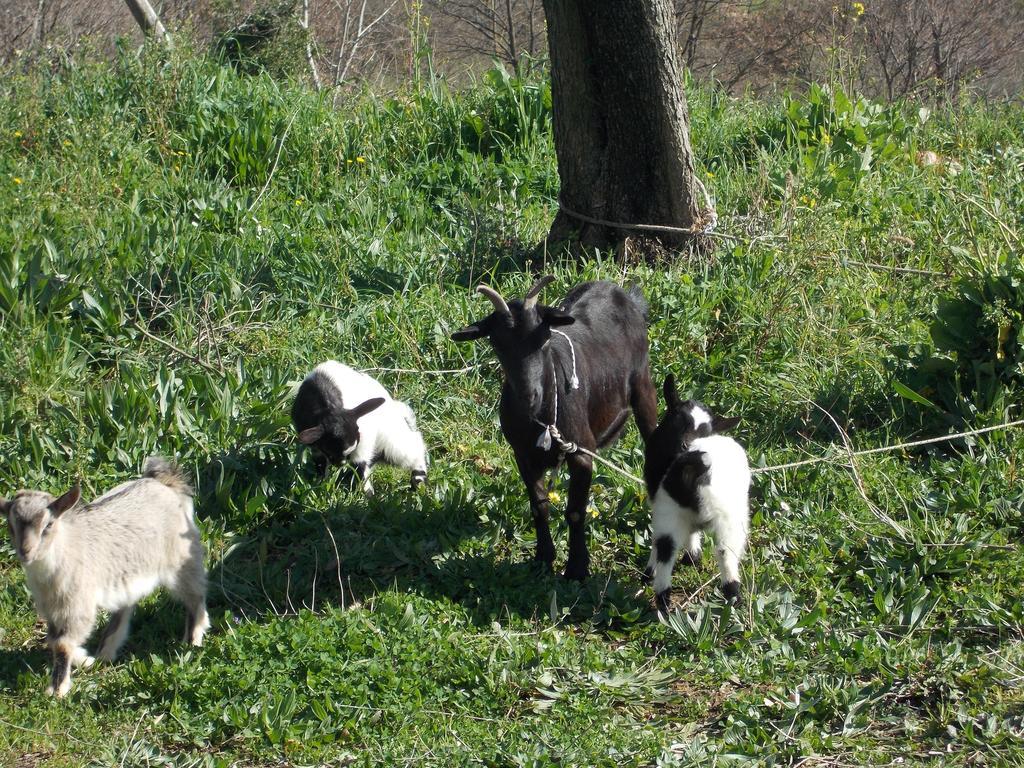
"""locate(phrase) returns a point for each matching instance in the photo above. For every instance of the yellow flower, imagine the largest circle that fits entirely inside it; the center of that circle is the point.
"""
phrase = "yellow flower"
(858, 9)
(349, 162)
(592, 511)
(298, 201)
(67, 143)
(17, 180)
(360, 159)
(554, 497)
(17, 134)
(709, 174)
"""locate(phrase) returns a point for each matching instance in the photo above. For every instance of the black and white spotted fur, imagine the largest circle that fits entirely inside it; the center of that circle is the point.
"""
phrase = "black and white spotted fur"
(347, 415)
(696, 480)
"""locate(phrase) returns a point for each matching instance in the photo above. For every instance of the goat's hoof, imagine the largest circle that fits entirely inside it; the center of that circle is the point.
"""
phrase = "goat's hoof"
(663, 600)
(576, 573)
(545, 556)
(731, 590)
(544, 567)
(417, 479)
(647, 576)
(690, 558)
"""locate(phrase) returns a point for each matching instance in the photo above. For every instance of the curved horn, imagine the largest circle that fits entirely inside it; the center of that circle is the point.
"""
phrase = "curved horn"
(495, 297)
(534, 293)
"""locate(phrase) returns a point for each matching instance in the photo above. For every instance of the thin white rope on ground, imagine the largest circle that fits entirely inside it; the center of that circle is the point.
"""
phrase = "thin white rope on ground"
(896, 447)
(567, 447)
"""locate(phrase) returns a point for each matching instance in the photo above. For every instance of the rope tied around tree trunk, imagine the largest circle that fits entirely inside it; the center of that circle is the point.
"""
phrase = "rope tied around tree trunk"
(705, 226)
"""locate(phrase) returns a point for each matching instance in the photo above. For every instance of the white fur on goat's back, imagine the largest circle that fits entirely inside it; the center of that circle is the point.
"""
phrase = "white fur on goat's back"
(115, 551)
(726, 493)
(354, 385)
(388, 431)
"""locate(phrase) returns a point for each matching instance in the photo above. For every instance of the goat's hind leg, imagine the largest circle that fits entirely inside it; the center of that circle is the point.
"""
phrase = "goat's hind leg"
(114, 633)
(190, 589)
(730, 543)
(644, 401)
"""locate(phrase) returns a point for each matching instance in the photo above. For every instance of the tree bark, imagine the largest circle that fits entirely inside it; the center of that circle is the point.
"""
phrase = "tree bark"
(621, 124)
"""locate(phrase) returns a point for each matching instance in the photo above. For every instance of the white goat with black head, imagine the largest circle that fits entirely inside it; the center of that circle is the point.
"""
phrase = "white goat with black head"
(581, 367)
(346, 415)
(108, 555)
(696, 480)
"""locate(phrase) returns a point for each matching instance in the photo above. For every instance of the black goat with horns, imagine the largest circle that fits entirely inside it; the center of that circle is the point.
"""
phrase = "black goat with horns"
(584, 383)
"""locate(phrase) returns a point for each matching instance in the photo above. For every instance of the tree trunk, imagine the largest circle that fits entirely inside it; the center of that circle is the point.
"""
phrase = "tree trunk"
(620, 121)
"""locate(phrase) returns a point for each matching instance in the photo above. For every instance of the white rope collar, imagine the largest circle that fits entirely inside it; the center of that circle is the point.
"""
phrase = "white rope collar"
(550, 430)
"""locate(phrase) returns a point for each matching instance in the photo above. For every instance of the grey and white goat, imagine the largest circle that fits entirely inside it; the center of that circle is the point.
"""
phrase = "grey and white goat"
(108, 555)
(346, 415)
(696, 480)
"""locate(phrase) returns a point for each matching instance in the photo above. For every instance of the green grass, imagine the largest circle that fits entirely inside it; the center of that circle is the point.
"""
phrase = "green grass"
(180, 244)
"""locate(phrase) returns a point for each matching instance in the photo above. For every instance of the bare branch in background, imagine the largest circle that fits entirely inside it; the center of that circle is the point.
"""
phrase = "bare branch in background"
(304, 23)
(692, 15)
(352, 31)
(147, 19)
(506, 30)
(915, 45)
(40, 13)
(886, 48)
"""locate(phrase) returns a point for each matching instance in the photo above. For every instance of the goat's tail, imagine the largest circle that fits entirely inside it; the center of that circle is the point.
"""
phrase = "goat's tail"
(637, 297)
(164, 471)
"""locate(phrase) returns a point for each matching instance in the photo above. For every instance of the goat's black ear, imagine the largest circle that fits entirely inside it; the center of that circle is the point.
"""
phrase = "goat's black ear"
(671, 398)
(555, 317)
(61, 505)
(366, 406)
(311, 435)
(469, 333)
(724, 423)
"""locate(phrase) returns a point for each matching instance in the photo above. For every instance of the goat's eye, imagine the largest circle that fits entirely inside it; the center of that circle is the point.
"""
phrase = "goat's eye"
(47, 527)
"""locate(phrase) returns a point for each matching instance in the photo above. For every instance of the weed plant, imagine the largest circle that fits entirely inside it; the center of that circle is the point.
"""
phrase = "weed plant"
(181, 242)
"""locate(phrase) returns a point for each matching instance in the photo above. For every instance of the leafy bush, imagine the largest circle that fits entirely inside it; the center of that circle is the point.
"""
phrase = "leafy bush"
(517, 113)
(235, 129)
(978, 336)
(840, 138)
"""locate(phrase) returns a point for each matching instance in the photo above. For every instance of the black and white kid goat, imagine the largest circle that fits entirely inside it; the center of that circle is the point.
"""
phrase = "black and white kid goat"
(696, 480)
(346, 415)
(581, 367)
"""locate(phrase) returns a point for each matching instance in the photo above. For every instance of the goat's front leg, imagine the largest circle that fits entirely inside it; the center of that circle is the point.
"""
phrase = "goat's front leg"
(581, 471)
(364, 469)
(540, 509)
(66, 644)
